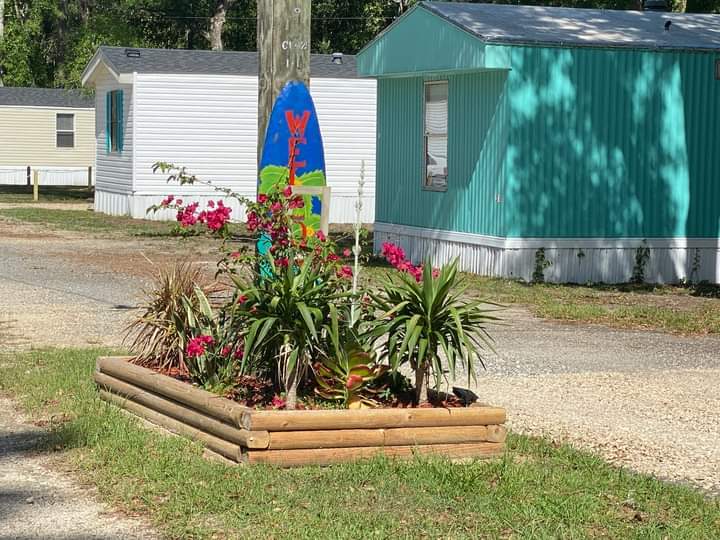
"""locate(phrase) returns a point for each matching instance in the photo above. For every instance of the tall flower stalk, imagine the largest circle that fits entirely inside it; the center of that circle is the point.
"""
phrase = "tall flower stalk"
(356, 248)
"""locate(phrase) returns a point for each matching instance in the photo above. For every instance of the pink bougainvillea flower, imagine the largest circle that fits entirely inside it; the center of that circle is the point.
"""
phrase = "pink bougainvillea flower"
(296, 202)
(262, 198)
(242, 299)
(275, 207)
(345, 272)
(320, 236)
(211, 204)
(196, 346)
(179, 202)
(167, 200)
(226, 350)
(282, 262)
(332, 257)
(346, 252)
(287, 192)
(278, 402)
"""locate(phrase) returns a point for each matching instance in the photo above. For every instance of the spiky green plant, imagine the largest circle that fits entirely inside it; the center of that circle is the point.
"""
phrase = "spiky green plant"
(281, 319)
(427, 323)
(158, 336)
(348, 371)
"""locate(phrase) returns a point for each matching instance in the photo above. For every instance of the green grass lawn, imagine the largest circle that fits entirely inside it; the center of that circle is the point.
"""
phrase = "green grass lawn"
(47, 194)
(88, 221)
(538, 490)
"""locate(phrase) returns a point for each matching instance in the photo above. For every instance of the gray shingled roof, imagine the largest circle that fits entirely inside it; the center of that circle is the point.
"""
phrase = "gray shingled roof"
(213, 62)
(45, 97)
(495, 23)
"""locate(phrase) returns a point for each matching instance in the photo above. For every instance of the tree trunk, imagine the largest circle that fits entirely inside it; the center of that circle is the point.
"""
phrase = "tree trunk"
(2, 30)
(217, 23)
(291, 387)
(421, 388)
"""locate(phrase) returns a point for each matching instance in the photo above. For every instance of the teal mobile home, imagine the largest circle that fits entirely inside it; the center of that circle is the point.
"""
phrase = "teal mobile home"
(508, 132)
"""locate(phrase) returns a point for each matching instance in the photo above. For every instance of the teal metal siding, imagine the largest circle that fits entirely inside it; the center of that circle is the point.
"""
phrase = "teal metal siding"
(406, 48)
(611, 143)
(476, 145)
(570, 143)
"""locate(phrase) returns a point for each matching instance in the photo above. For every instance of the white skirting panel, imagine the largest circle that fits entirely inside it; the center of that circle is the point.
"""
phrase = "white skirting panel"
(13, 176)
(573, 260)
(342, 208)
(114, 204)
(140, 203)
(63, 176)
(47, 176)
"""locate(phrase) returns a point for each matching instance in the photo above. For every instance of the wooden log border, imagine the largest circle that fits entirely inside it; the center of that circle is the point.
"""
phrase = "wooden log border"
(298, 438)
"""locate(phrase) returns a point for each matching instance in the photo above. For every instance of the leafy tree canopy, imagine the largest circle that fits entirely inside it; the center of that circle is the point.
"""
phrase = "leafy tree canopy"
(49, 42)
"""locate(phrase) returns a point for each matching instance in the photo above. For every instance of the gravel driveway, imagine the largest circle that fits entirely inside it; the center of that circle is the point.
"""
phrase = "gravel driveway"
(641, 399)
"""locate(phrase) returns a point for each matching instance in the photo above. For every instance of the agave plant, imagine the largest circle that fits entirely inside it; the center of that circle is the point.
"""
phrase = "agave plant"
(348, 371)
(424, 321)
(159, 336)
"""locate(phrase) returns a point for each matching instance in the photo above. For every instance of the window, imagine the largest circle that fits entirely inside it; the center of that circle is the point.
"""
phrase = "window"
(64, 130)
(436, 135)
(114, 121)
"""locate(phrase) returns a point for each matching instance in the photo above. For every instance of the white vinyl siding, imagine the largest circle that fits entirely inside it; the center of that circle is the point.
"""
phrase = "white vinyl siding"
(209, 125)
(114, 169)
(206, 123)
(346, 111)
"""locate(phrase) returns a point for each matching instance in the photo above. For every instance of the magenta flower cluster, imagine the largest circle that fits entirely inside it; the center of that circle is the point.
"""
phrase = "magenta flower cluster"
(197, 345)
(395, 255)
(214, 217)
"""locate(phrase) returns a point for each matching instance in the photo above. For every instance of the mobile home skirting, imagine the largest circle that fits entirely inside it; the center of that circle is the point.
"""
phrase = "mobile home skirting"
(573, 260)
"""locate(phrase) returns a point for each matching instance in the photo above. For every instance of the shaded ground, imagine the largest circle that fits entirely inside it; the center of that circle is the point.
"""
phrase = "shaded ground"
(38, 502)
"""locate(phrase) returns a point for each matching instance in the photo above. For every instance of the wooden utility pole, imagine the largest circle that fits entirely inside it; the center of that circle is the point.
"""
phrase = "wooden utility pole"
(283, 34)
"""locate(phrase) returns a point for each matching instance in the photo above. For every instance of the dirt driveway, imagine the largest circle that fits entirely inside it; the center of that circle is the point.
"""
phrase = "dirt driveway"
(641, 399)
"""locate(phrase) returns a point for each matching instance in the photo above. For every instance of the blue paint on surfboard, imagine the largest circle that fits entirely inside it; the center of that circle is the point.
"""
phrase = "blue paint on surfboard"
(294, 124)
(293, 128)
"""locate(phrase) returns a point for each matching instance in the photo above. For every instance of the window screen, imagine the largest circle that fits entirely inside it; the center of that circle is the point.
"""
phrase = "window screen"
(115, 97)
(65, 130)
(436, 135)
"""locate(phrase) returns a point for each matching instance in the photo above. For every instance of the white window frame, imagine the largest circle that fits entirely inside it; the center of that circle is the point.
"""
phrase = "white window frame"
(426, 136)
(59, 131)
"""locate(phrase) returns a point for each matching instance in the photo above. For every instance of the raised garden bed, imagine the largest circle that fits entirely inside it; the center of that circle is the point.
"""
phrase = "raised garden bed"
(296, 438)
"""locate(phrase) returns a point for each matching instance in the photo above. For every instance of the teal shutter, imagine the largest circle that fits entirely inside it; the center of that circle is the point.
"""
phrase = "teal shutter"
(108, 125)
(120, 123)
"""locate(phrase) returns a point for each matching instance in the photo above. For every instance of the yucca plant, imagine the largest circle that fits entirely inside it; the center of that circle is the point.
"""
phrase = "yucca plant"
(423, 321)
(281, 318)
(348, 371)
(158, 337)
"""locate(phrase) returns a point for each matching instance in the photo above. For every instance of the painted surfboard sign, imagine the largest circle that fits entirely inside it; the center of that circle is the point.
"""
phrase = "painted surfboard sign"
(293, 152)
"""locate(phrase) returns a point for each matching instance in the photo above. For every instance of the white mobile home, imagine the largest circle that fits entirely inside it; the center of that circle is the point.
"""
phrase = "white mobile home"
(199, 109)
(49, 131)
